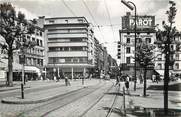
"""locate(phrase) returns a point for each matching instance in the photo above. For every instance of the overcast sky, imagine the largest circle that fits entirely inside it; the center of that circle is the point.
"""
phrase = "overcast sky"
(100, 13)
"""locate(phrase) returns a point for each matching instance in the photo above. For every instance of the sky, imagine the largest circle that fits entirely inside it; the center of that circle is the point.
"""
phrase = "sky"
(105, 15)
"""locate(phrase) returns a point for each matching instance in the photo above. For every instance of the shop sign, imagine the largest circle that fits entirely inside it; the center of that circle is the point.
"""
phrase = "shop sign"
(142, 22)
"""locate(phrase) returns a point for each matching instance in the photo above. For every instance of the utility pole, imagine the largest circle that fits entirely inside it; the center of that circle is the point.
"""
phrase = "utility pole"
(127, 3)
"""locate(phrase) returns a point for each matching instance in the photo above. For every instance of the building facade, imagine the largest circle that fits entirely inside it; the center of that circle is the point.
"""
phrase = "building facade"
(145, 32)
(175, 70)
(33, 60)
(69, 46)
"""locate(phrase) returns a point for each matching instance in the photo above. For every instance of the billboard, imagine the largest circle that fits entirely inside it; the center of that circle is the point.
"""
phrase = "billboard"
(142, 22)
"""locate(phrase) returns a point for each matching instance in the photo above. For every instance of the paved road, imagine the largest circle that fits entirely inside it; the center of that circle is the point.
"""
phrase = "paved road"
(14, 110)
(30, 87)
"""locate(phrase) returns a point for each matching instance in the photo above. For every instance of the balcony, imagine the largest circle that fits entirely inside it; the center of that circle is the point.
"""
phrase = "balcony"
(63, 44)
(68, 54)
(68, 36)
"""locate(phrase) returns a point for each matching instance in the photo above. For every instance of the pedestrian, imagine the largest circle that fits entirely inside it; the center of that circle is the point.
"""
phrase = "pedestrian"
(127, 84)
(117, 80)
(66, 81)
(26, 78)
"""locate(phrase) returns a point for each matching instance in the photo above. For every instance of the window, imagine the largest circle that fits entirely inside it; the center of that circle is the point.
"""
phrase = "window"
(148, 40)
(37, 41)
(128, 40)
(159, 66)
(138, 40)
(171, 57)
(41, 44)
(40, 33)
(128, 60)
(33, 39)
(76, 48)
(67, 21)
(80, 20)
(128, 50)
(51, 21)
(177, 56)
(171, 47)
(75, 60)
(177, 65)
(66, 48)
(119, 46)
(159, 57)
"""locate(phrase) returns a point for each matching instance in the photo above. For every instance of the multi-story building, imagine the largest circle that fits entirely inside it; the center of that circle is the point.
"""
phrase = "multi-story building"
(160, 60)
(69, 46)
(34, 57)
(34, 60)
(126, 47)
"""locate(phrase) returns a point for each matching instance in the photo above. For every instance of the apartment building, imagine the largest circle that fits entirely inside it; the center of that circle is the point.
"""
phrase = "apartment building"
(69, 43)
(175, 70)
(145, 32)
(34, 58)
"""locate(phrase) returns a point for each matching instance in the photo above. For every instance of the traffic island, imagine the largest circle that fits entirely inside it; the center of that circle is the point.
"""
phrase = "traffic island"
(153, 112)
(39, 97)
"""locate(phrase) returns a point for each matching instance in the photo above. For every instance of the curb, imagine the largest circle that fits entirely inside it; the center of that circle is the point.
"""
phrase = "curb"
(17, 100)
(2, 90)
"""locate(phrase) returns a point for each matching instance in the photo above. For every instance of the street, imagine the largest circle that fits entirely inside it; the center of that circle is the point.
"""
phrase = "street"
(81, 98)
(96, 98)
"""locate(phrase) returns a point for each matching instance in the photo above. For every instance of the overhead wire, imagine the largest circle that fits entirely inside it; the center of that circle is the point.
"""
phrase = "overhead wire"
(109, 17)
(107, 25)
(90, 13)
(66, 5)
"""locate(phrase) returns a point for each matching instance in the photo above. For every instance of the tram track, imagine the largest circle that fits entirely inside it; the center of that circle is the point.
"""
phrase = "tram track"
(113, 103)
(55, 104)
(87, 110)
(104, 94)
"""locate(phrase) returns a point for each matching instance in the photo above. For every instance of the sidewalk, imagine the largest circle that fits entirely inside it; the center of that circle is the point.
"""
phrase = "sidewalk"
(45, 95)
(16, 85)
(154, 100)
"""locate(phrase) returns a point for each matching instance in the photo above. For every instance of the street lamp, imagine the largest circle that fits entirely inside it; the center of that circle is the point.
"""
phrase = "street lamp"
(127, 3)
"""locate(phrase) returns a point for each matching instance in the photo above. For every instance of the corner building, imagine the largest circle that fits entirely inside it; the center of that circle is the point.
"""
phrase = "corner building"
(145, 32)
(69, 46)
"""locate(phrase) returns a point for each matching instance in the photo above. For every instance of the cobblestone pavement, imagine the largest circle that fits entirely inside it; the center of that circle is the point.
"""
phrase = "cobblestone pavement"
(104, 105)
(77, 108)
(12, 110)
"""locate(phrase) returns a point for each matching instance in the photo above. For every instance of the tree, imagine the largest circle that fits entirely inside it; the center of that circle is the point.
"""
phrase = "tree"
(145, 57)
(14, 28)
(165, 38)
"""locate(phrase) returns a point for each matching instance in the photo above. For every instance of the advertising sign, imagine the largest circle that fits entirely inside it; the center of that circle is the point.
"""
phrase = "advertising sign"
(142, 22)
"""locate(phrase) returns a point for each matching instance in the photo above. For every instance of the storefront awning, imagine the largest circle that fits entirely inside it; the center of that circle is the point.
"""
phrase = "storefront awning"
(32, 69)
(161, 72)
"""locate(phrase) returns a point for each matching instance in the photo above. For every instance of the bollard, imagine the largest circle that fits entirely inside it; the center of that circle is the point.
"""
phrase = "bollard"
(22, 91)
(82, 80)
(124, 103)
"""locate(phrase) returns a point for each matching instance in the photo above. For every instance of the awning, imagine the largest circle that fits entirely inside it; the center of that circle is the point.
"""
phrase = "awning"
(161, 72)
(18, 67)
(32, 69)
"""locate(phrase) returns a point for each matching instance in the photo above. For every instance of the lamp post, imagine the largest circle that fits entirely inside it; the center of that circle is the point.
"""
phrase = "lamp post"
(127, 3)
